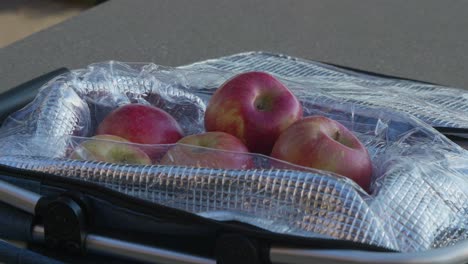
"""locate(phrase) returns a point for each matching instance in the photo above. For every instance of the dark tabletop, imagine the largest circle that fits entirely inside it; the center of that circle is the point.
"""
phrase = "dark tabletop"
(424, 40)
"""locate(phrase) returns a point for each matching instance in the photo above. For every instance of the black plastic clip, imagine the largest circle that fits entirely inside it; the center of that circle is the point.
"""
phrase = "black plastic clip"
(64, 221)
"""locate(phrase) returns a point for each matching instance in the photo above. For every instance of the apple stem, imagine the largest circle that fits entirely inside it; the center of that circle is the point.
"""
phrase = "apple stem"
(260, 106)
(263, 103)
(337, 136)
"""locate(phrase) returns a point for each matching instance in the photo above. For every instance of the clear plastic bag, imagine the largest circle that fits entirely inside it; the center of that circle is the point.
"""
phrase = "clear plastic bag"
(419, 197)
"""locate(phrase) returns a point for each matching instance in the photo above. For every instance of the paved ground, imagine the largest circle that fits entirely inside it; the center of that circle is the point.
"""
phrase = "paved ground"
(20, 18)
(423, 40)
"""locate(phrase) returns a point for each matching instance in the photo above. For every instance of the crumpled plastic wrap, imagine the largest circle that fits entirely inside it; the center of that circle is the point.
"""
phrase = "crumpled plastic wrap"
(419, 191)
(436, 105)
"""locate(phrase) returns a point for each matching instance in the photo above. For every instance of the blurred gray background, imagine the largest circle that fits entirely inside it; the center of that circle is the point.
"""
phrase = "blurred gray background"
(423, 40)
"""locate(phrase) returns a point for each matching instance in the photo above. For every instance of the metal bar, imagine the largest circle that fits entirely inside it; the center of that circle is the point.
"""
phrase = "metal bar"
(38, 234)
(27, 200)
(118, 248)
(18, 197)
(456, 254)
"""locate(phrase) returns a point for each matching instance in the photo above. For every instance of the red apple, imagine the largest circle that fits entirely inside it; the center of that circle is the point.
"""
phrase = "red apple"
(110, 148)
(209, 150)
(142, 124)
(321, 143)
(255, 107)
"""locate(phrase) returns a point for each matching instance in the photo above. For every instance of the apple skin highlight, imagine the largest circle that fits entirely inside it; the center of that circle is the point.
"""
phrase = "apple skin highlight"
(142, 124)
(209, 150)
(110, 148)
(322, 143)
(254, 107)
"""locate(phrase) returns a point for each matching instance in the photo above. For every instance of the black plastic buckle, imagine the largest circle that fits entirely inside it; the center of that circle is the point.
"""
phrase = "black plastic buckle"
(64, 220)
